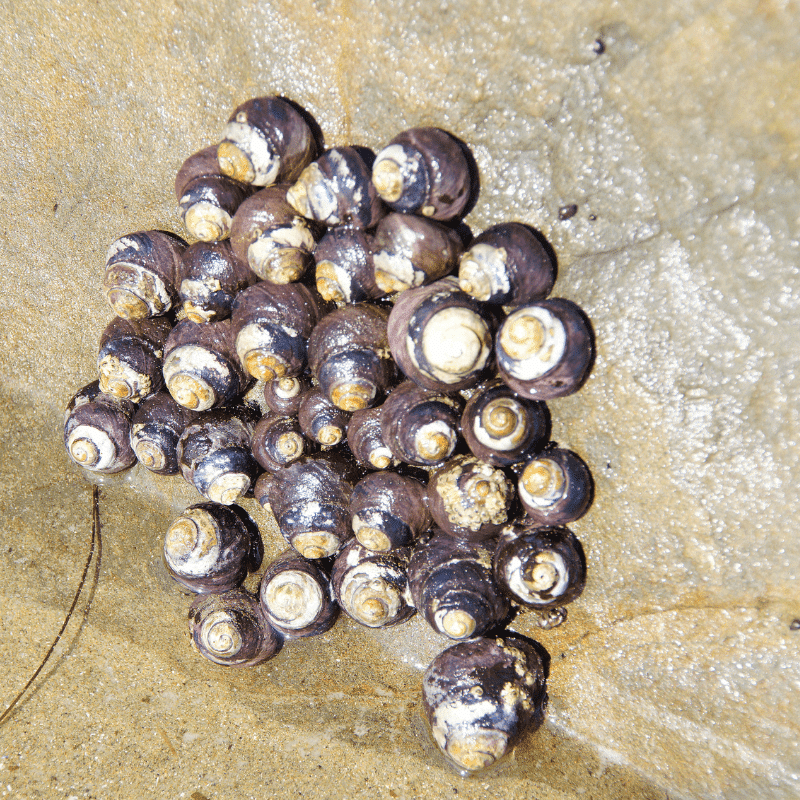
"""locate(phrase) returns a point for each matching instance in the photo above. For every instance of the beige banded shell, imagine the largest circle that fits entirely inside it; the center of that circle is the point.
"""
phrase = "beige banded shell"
(535, 339)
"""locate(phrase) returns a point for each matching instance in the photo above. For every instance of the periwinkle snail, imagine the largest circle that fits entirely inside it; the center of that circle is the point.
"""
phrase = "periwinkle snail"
(345, 270)
(277, 441)
(156, 428)
(365, 439)
(320, 420)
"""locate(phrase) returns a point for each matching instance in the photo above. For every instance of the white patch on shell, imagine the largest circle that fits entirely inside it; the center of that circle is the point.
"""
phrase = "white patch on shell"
(294, 598)
(220, 635)
(320, 201)
(395, 154)
(513, 573)
(205, 552)
(341, 277)
(546, 357)
(251, 141)
(150, 288)
(370, 580)
(113, 371)
(191, 359)
(107, 450)
(429, 429)
(556, 491)
(206, 221)
(286, 388)
(254, 337)
(228, 487)
(510, 440)
(395, 272)
(274, 243)
(483, 269)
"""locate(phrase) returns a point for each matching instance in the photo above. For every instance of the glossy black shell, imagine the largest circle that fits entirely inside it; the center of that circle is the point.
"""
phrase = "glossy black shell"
(345, 271)
(277, 442)
(320, 420)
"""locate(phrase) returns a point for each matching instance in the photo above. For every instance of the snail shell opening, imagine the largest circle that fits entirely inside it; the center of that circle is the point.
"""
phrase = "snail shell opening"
(294, 598)
(316, 544)
(543, 483)
(220, 634)
(456, 343)
(534, 340)
(483, 272)
(91, 448)
(207, 222)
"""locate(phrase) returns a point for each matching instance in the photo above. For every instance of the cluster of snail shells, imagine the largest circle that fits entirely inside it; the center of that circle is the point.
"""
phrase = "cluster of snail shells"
(357, 396)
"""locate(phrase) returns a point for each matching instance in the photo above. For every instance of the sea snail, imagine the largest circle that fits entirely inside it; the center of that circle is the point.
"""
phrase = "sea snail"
(345, 271)
(320, 420)
(155, 429)
(277, 441)
(283, 395)
(482, 696)
(365, 439)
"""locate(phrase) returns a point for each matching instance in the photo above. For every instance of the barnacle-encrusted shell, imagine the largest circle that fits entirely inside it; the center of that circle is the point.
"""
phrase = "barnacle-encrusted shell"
(283, 395)
(155, 429)
(365, 439)
(295, 595)
(545, 349)
(320, 420)
(211, 548)
(142, 273)
(540, 567)
(231, 629)
(425, 171)
(372, 588)
(482, 696)
(277, 441)
(345, 272)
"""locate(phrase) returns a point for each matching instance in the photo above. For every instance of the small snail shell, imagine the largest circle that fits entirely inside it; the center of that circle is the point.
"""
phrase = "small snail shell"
(201, 369)
(142, 273)
(207, 199)
(270, 236)
(277, 441)
(271, 323)
(129, 360)
(424, 171)
(365, 438)
(283, 395)
(470, 499)
(372, 588)
(388, 511)
(540, 567)
(348, 353)
(545, 349)
(345, 272)
(97, 430)
(556, 487)
(230, 629)
(336, 189)
(310, 500)
(440, 337)
(295, 596)
(507, 265)
(501, 427)
(452, 585)
(482, 696)
(211, 548)
(420, 426)
(320, 420)
(265, 141)
(211, 276)
(411, 251)
(155, 429)
(214, 453)
(261, 489)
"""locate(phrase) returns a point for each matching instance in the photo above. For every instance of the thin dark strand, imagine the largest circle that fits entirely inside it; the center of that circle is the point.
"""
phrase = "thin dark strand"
(95, 539)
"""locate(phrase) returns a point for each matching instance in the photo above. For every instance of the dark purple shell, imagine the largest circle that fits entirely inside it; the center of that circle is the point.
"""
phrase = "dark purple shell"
(156, 428)
(283, 395)
(365, 438)
(277, 441)
(345, 271)
(320, 420)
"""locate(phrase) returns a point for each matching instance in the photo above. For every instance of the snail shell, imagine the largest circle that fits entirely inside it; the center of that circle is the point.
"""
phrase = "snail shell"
(320, 420)
(345, 272)
(424, 171)
(155, 429)
(365, 438)
(503, 428)
(142, 273)
(556, 487)
(482, 696)
(295, 596)
(270, 236)
(97, 430)
(470, 499)
(348, 353)
(283, 395)
(261, 489)
(214, 453)
(440, 337)
(507, 265)
(231, 629)
(540, 567)
(337, 189)
(207, 199)
(271, 323)
(211, 276)
(545, 349)
(372, 588)
(265, 141)
(411, 251)
(277, 441)
(388, 511)
(452, 585)
(211, 548)
(420, 426)
(201, 369)
(129, 360)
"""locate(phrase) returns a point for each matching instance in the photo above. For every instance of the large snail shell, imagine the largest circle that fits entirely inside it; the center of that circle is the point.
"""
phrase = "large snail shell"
(142, 273)
(372, 588)
(452, 585)
(482, 696)
(155, 429)
(277, 441)
(337, 189)
(97, 431)
(348, 353)
(411, 251)
(540, 567)
(201, 369)
(130, 357)
(345, 272)
(502, 427)
(545, 349)
(365, 439)
(320, 420)
(230, 629)
(424, 171)
(440, 337)
(388, 511)
(283, 395)
(295, 595)
(470, 499)
(214, 453)
(211, 548)
(507, 265)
